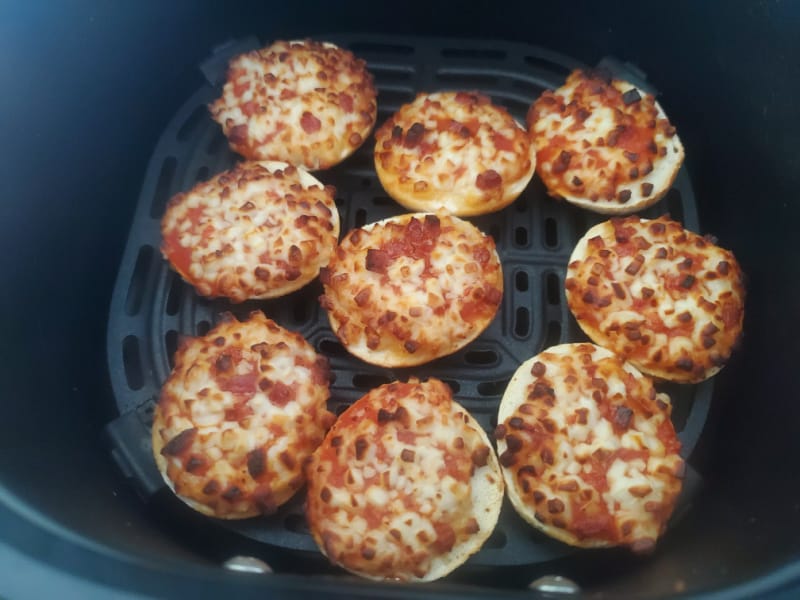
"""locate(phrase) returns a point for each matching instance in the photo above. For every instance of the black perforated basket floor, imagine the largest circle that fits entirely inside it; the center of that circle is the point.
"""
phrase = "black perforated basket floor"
(151, 306)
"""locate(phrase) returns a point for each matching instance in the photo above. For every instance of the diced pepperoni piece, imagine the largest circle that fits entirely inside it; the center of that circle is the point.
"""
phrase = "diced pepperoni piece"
(310, 123)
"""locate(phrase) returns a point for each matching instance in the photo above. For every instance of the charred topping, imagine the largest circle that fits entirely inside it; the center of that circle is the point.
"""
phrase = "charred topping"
(232, 493)
(325, 495)
(622, 416)
(414, 135)
(212, 487)
(514, 443)
(631, 96)
(179, 443)
(407, 455)
(538, 369)
(561, 164)
(507, 458)
(256, 464)
(361, 447)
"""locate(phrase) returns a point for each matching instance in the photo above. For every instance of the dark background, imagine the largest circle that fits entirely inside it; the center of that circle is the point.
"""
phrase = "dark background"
(87, 87)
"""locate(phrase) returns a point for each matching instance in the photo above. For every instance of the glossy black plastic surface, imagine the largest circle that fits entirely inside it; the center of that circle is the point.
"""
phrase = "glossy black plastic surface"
(152, 307)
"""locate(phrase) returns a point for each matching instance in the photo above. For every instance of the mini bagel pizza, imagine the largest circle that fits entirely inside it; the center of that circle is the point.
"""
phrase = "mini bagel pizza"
(668, 300)
(307, 103)
(259, 230)
(412, 288)
(453, 151)
(587, 448)
(603, 144)
(243, 409)
(405, 486)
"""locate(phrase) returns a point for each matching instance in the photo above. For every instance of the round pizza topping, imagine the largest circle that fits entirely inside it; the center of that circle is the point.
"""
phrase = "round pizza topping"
(588, 451)
(243, 409)
(412, 288)
(259, 230)
(405, 485)
(603, 144)
(666, 299)
(307, 103)
(453, 151)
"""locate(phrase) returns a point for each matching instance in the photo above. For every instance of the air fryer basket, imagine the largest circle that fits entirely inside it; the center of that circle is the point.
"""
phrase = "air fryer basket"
(151, 306)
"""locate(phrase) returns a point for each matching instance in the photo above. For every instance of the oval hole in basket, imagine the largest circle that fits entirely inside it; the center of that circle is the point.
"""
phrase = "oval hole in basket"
(546, 64)
(203, 327)
(521, 281)
(302, 310)
(467, 79)
(552, 289)
(359, 48)
(490, 53)
(533, 89)
(361, 217)
(553, 334)
(331, 347)
(516, 107)
(132, 360)
(133, 301)
(550, 232)
(674, 203)
(163, 187)
(368, 381)
(385, 75)
(171, 346)
(492, 388)
(396, 97)
(522, 322)
(296, 523)
(174, 294)
(521, 236)
(202, 174)
(497, 540)
(191, 124)
(454, 385)
(481, 357)
(217, 143)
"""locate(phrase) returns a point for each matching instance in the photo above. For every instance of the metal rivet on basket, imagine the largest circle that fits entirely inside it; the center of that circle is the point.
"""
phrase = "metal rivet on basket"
(555, 584)
(247, 564)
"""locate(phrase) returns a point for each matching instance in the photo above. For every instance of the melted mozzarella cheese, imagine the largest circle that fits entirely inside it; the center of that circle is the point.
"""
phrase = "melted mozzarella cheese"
(263, 230)
(309, 104)
(601, 152)
(220, 388)
(465, 136)
(678, 317)
(587, 456)
(426, 294)
(413, 503)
